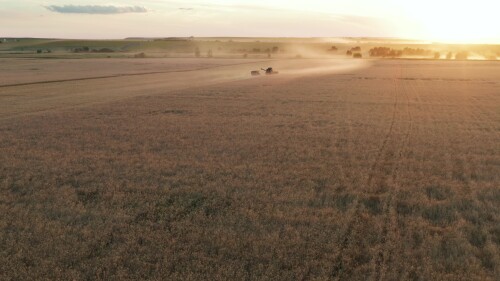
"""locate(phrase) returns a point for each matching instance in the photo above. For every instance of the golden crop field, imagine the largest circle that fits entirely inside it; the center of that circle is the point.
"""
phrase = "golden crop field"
(191, 169)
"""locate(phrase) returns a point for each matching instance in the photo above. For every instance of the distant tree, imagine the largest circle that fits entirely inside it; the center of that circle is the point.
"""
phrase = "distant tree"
(39, 51)
(375, 52)
(102, 50)
(82, 50)
(356, 49)
(449, 56)
(334, 49)
(437, 55)
(349, 53)
(275, 49)
(357, 55)
(385, 52)
(462, 55)
(197, 52)
(416, 52)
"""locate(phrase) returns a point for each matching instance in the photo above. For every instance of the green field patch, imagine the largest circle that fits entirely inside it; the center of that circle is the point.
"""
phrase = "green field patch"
(440, 215)
(179, 206)
(373, 204)
(438, 193)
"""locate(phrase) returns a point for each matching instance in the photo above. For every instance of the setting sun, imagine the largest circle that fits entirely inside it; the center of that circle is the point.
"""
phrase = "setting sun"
(456, 21)
(438, 21)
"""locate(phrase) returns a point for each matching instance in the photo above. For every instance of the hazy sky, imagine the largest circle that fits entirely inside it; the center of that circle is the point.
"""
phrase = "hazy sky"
(440, 20)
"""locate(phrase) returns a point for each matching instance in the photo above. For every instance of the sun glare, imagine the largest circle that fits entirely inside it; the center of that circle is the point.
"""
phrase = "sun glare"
(457, 22)
(459, 29)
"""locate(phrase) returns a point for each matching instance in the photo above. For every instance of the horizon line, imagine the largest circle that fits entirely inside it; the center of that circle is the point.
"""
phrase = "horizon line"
(423, 41)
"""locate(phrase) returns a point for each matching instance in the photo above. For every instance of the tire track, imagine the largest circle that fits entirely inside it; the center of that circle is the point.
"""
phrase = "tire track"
(338, 271)
(390, 229)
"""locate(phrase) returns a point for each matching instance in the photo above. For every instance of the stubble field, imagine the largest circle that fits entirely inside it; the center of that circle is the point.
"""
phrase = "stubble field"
(188, 169)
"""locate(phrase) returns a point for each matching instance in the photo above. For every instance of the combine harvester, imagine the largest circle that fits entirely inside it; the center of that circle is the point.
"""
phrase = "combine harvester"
(268, 71)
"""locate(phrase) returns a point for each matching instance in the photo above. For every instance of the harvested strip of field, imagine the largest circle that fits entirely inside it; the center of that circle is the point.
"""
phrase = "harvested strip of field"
(26, 71)
(48, 95)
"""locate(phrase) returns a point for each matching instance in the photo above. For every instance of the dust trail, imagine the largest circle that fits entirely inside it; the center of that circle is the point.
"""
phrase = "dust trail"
(305, 67)
(32, 98)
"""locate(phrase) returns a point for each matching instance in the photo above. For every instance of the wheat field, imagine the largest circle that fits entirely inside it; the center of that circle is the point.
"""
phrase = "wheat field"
(190, 169)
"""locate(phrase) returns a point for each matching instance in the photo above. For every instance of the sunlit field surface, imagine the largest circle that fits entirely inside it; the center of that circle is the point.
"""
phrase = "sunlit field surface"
(191, 169)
